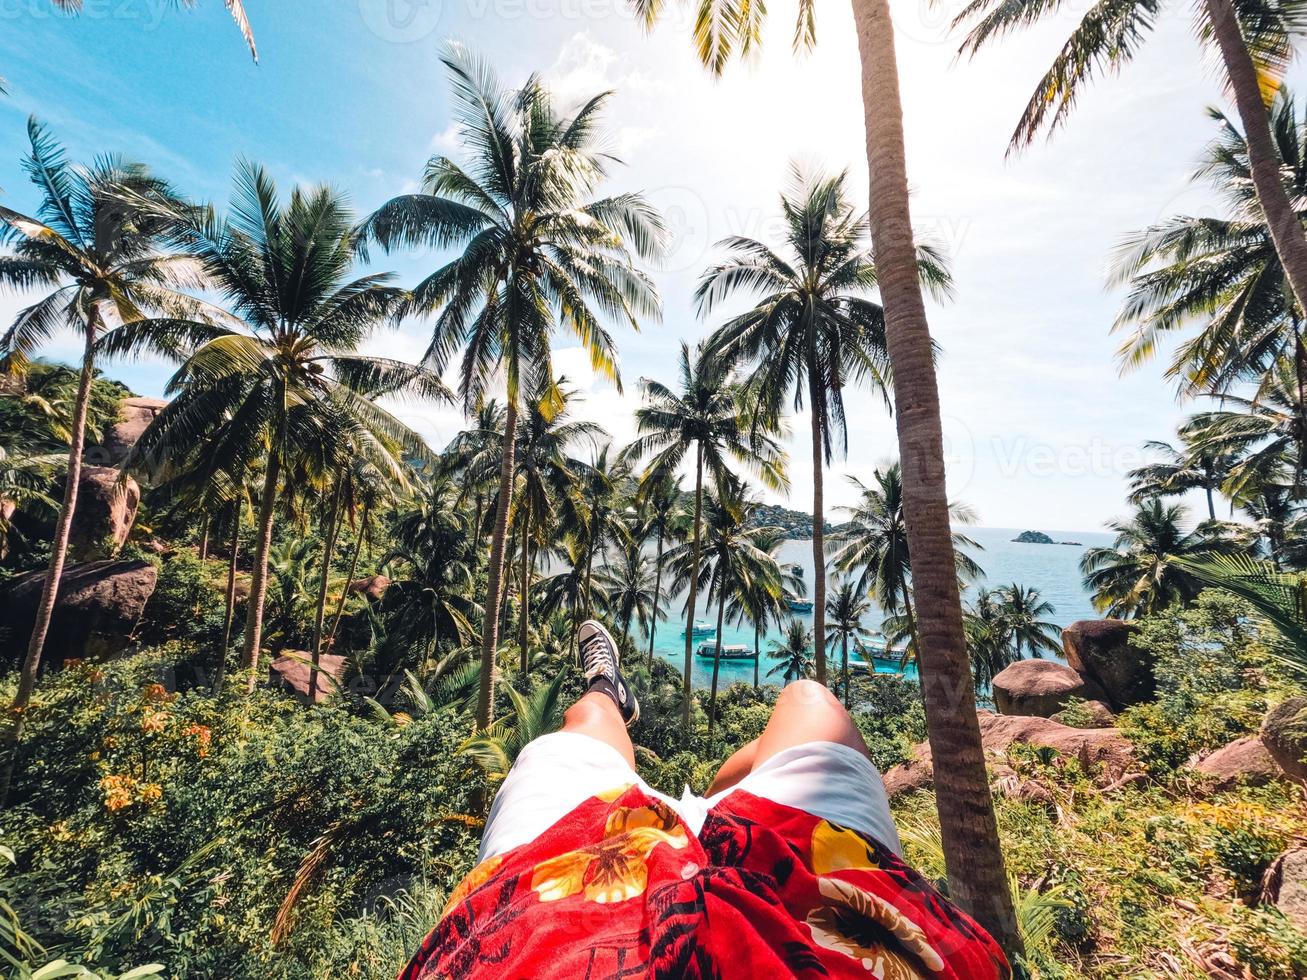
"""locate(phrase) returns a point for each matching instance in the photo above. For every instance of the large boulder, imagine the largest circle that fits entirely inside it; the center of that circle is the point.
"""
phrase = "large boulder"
(1284, 730)
(106, 510)
(97, 609)
(1244, 762)
(1090, 714)
(1285, 886)
(1100, 651)
(1040, 687)
(291, 671)
(1104, 747)
(134, 417)
(373, 587)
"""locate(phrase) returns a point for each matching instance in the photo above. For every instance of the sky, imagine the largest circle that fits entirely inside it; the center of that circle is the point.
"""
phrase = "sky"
(1041, 428)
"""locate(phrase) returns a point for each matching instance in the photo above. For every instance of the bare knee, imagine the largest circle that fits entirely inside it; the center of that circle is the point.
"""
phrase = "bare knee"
(807, 694)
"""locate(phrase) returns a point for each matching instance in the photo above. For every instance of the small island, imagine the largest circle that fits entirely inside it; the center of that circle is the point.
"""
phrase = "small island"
(1039, 537)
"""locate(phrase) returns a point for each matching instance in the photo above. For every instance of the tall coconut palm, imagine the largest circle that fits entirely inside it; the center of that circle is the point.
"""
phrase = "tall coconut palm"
(989, 638)
(476, 456)
(703, 415)
(631, 586)
(100, 255)
(759, 601)
(1137, 574)
(730, 562)
(663, 518)
(596, 515)
(547, 477)
(814, 331)
(1178, 471)
(288, 386)
(1221, 274)
(968, 828)
(794, 653)
(846, 608)
(1023, 608)
(1255, 42)
(539, 251)
(875, 545)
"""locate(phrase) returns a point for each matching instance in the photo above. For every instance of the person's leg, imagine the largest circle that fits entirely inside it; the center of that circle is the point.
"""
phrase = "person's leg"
(596, 715)
(734, 769)
(807, 712)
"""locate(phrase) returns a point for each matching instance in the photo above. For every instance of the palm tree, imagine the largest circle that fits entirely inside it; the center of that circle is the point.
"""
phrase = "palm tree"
(662, 518)
(794, 653)
(813, 332)
(99, 252)
(1137, 575)
(1222, 272)
(596, 514)
(1255, 43)
(547, 478)
(234, 7)
(968, 829)
(847, 608)
(875, 545)
(287, 385)
(1177, 472)
(476, 456)
(631, 586)
(705, 416)
(540, 251)
(989, 637)
(1021, 609)
(759, 600)
(730, 562)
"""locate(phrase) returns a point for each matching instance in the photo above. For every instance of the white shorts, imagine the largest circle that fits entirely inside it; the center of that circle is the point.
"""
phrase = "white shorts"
(557, 773)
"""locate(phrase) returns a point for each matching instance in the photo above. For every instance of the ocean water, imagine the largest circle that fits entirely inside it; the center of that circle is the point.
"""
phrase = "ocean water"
(1051, 568)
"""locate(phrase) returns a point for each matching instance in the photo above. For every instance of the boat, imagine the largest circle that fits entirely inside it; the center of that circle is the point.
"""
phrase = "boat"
(801, 605)
(730, 651)
(700, 628)
(878, 659)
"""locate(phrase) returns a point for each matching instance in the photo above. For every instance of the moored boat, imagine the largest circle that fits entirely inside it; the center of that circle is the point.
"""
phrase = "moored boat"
(801, 605)
(730, 651)
(700, 628)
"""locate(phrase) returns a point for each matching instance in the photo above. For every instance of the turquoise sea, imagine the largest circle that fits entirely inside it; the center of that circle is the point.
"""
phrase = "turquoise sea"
(1052, 568)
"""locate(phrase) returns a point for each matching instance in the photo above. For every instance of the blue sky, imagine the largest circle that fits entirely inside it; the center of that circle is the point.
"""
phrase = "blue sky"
(1041, 428)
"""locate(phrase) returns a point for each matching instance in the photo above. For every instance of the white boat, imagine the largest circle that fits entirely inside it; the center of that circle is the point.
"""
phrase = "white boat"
(801, 605)
(700, 628)
(730, 651)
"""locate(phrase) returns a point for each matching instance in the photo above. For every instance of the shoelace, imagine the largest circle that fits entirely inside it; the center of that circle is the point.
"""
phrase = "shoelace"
(595, 644)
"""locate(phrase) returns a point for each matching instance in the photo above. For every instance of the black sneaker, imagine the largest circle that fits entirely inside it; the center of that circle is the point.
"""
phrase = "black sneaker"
(599, 661)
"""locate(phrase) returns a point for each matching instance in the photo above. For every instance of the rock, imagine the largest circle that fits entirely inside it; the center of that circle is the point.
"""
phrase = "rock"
(1285, 886)
(374, 586)
(1092, 714)
(1040, 687)
(1092, 746)
(1284, 732)
(291, 671)
(98, 607)
(134, 417)
(1245, 761)
(1033, 537)
(1099, 650)
(106, 510)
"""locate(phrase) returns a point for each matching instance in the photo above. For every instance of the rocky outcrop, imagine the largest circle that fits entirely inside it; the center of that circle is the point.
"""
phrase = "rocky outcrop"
(1244, 762)
(106, 510)
(134, 417)
(1040, 687)
(374, 587)
(1285, 886)
(1091, 714)
(95, 613)
(1284, 731)
(1107, 748)
(1099, 650)
(291, 670)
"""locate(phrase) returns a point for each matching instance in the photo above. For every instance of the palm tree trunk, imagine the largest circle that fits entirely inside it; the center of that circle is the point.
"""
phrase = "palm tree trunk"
(476, 528)
(845, 655)
(1263, 156)
(695, 553)
(716, 660)
(229, 609)
(320, 612)
(349, 577)
(912, 621)
(968, 829)
(490, 621)
(1300, 371)
(816, 406)
(259, 575)
(204, 539)
(757, 653)
(524, 605)
(658, 591)
(58, 553)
